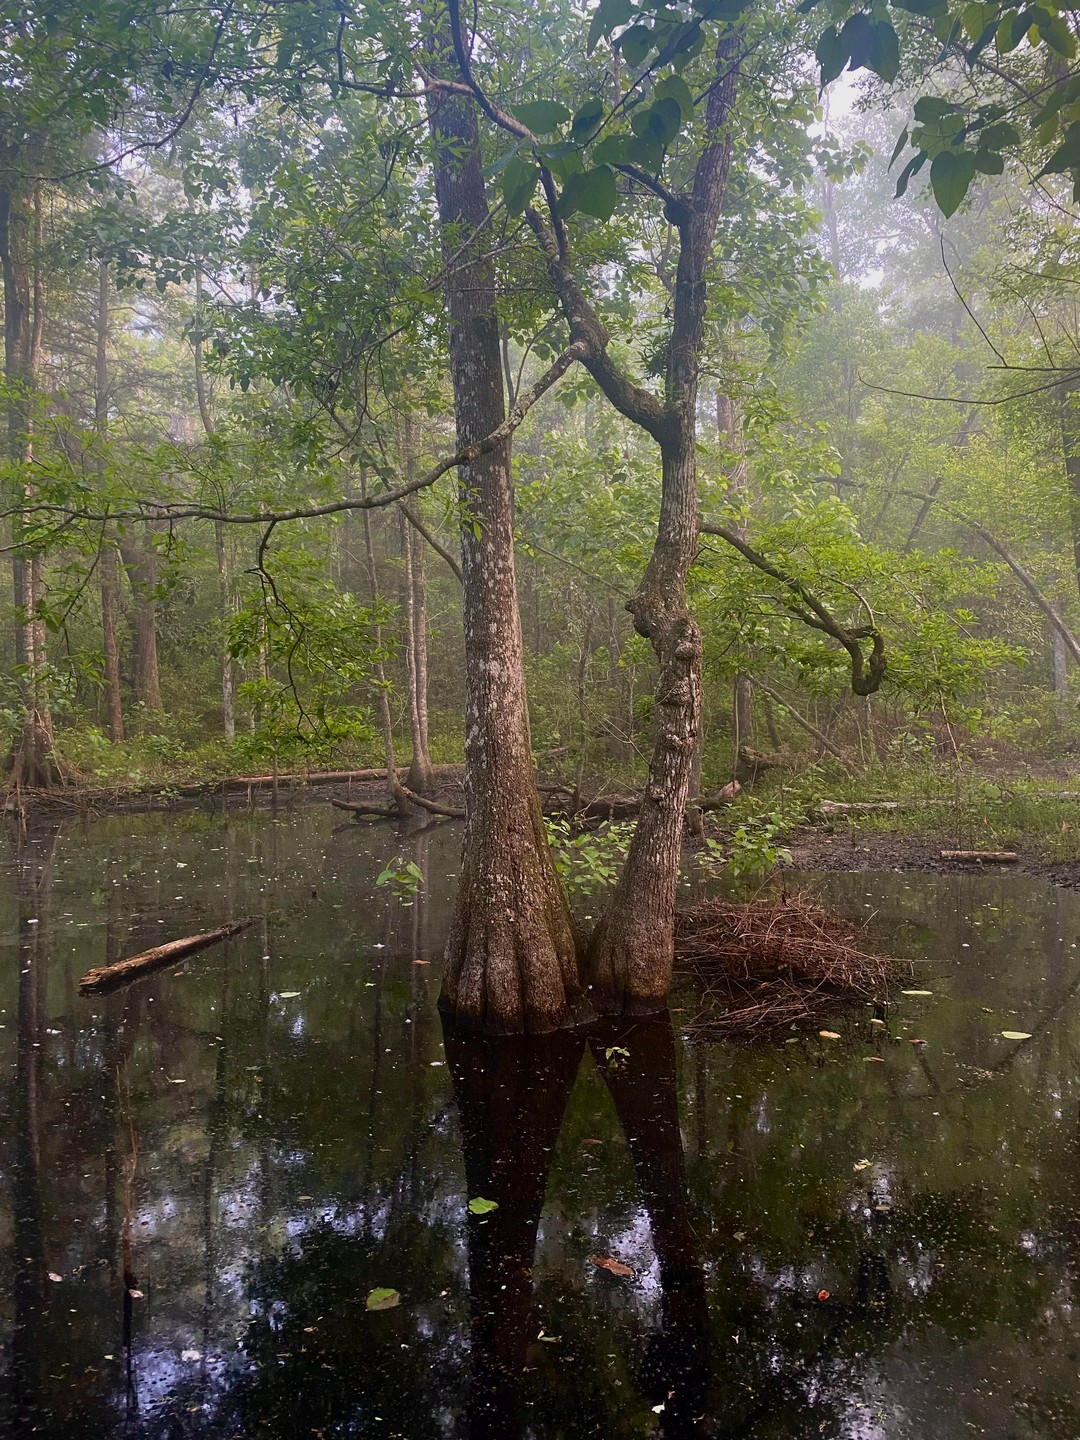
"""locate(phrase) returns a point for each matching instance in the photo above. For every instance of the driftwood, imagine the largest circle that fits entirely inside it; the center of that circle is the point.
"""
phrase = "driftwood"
(607, 807)
(982, 857)
(108, 977)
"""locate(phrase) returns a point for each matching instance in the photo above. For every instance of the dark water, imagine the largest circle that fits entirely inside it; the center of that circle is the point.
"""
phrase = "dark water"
(204, 1176)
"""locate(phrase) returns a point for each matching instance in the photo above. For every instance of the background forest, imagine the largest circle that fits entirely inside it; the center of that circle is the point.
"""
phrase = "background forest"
(234, 316)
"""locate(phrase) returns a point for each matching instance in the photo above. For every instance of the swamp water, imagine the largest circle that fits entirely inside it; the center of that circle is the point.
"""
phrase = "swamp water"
(204, 1176)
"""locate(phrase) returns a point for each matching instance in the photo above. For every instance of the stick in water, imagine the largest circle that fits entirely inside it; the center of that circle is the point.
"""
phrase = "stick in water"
(107, 977)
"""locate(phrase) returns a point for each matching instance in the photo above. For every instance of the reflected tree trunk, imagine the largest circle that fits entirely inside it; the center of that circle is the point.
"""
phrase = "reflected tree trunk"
(511, 1095)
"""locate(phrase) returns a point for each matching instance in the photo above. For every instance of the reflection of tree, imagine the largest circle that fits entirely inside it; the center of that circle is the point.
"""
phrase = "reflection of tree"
(511, 1096)
(637, 1061)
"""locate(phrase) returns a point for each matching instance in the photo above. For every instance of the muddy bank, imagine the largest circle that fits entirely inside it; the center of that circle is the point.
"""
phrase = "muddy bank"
(854, 851)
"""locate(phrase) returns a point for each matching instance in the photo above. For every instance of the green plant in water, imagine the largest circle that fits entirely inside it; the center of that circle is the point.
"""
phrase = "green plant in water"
(588, 861)
(403, 878)
(752, 850)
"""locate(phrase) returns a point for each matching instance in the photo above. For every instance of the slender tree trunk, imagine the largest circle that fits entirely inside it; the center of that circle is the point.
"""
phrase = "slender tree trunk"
(21, 242)
(228, 683)
(393, 788)
(108, 564)
(511, 961)
(729, 424)
(420, 777)
(140, 562)
(1069, 395)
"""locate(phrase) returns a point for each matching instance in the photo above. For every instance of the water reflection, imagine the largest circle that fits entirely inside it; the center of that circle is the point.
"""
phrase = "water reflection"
(219, 1163)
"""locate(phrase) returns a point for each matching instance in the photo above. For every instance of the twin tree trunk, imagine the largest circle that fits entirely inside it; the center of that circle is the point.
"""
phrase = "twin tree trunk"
(512, 960)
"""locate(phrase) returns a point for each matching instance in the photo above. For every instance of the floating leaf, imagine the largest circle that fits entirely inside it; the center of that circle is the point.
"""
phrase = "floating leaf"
(613, 1267)
(829, 1034)
(54, 1277)
(288, 994)
(823, 1295)
(479, 1206)
(190, 1355)
(916, 992)
(136, 1294)
(383, 1299)
(862, 1165)
(1015, 1035)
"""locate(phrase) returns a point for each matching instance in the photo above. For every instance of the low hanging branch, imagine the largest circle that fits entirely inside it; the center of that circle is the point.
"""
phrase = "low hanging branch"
(819, 735)
(867, 672)
(466, 455)
(108, 977)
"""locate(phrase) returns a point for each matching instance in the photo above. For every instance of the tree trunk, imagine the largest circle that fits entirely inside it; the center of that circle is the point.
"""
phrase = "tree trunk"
(511, 960)
(730, 426)
(393, 788)
(140, 562)
(228, 683)
(632, 951)
(633, 947)
(1069, 395)
(21, 240)
(108, 568)
(420, 777)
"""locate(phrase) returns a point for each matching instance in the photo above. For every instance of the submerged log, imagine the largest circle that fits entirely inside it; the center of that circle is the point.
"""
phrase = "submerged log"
(982, 857)
(108, 977)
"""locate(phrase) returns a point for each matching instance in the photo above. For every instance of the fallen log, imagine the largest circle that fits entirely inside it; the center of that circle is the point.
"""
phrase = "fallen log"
(365, 807)
(108, 977)
(982, 857)
(434, 807)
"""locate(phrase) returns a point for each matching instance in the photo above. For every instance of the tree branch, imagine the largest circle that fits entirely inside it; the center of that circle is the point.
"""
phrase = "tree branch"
(866, 673)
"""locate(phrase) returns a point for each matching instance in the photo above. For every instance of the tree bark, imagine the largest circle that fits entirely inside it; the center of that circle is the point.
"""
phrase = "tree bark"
(393, 789)
(420, 778)
(511, 959)
(730, 426)
(1069, 396)
(108, 567)
(140, 562)
(632, 950)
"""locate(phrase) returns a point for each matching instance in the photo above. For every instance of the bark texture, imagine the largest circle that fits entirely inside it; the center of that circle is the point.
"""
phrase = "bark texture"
(511, 960)
(632, 950)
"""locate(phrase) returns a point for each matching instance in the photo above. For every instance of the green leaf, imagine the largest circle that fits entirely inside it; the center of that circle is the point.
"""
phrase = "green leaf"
(479, 1206)
(885, 52)
(519, 182)
(616, 150)
(904, 138)
(541, 116)
(675, 88)
(635, 44)
(989, 162)
(659, 122)
(857, 37)
(831, 53)
(931, 107)
(607, 16)
(1058, 36)
(913, 167)
(593, 192)
(1067, 155)
(586, 120)
(383, 1299)
(951, 173)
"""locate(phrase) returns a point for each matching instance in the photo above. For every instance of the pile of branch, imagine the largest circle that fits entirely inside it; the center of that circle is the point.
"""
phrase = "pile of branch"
(769, 964)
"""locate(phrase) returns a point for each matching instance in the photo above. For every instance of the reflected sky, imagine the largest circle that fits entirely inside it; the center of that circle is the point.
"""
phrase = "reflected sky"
(204, 1175)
